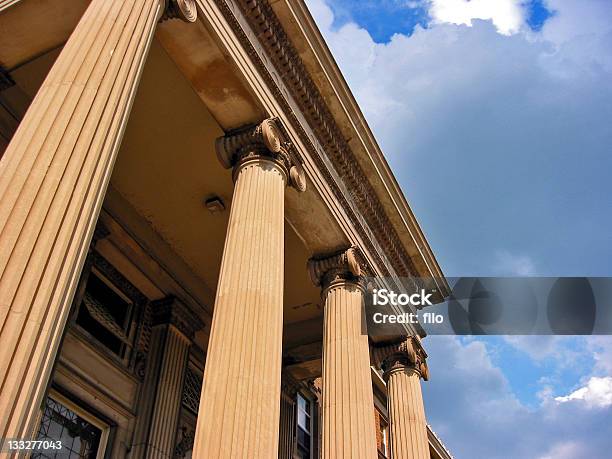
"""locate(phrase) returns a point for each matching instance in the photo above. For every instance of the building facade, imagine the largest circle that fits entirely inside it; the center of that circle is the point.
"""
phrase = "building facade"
(190, 201)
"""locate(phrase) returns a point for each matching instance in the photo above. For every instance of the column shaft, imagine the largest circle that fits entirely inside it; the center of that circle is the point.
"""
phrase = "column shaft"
(348, 403)
(52, 181)
(408, 428)
(239, 407)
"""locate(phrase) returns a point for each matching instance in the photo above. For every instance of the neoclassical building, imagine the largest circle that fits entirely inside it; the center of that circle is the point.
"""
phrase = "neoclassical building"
(190, 201)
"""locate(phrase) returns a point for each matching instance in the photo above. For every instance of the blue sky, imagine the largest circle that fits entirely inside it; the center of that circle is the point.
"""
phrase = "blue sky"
(495, 116)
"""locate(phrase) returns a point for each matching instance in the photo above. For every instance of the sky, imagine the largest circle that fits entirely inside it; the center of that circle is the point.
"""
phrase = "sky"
(496, 118)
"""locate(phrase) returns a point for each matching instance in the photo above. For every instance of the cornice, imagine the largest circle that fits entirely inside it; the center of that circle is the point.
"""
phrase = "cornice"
(367, 215)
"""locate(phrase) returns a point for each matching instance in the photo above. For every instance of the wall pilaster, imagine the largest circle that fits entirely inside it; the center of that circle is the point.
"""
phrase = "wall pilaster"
(173, 329)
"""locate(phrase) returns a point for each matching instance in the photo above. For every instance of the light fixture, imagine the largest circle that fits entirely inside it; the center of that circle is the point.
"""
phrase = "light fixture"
(214, 205)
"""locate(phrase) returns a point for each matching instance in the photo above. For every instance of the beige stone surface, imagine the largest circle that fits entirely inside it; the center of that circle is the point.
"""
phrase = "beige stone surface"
(404, 364)
(348, 424)
(408, 426)
(167, 399)
(239, 407)
(52, 180)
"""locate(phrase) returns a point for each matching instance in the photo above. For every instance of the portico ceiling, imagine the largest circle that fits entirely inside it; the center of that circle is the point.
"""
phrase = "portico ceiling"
(167, 168)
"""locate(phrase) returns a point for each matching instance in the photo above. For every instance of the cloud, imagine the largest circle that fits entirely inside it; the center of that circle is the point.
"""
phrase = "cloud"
(565, 450)
(497, 140)
(469, 402)
(515, 265)
(507, 15)
(597, 393)
(500, 141)
(537, 347)
(601, 349)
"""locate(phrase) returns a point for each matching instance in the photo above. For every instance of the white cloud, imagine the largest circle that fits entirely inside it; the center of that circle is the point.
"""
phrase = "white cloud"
(565, 450)
(510, 264)
(470, 403)
(537, 347)
(601, 349)
(474, 123)
(507, 15)
(597, 393)
(496, 139)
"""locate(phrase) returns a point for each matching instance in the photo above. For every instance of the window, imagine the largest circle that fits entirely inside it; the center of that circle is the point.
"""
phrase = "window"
(304, 427)
(382, 435)
(82, 435)
(105, 313)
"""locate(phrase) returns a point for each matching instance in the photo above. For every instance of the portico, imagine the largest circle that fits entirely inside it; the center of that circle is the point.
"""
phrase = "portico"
(238, 198)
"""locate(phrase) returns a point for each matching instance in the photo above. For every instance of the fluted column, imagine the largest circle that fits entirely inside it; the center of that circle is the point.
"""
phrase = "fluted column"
(347, 398)
(53, 176)
(404, 365)
(174, 326)
(239, 406)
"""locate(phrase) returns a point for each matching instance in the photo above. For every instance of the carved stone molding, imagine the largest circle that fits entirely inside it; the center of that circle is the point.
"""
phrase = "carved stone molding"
(118, 279)
(405, 354)
(180, 9)
(185, 442)
(171, 311)
(286, 60)
(267, 139)
(340, 266)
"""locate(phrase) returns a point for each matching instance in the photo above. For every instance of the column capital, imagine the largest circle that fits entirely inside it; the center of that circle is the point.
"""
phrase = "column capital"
(341, 266)
(267, 140)
(180, 9)
(171, 311)
(405, 354)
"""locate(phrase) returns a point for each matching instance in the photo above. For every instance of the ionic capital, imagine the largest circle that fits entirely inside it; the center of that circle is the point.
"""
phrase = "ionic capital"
(406, 354)
(171, 311)
(180, 9)
(342, 266)
(266, 140)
